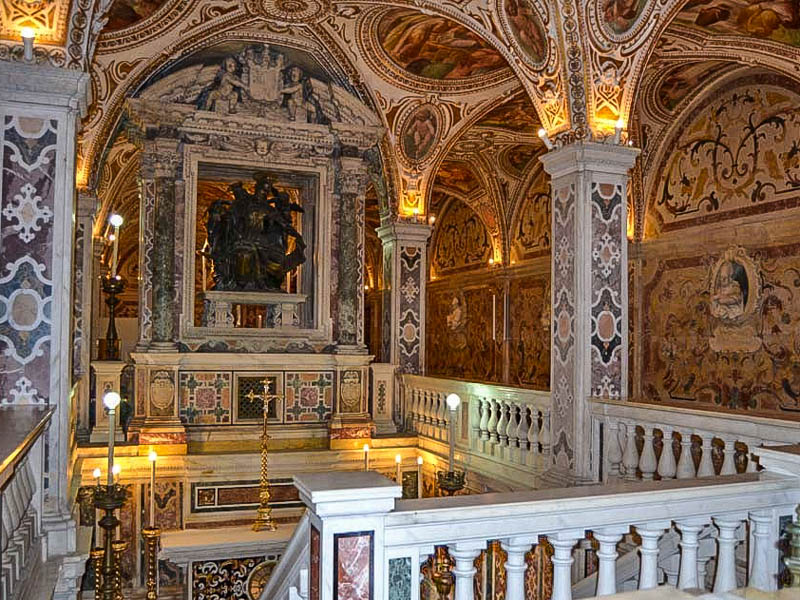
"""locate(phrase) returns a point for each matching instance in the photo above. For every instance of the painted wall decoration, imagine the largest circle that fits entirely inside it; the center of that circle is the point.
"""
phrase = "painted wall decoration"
(125, 13)
(531, 234)
(461, 240)
(721, 330)
(457, 176)
(684, 79)
(518, 115)
(205, 397)
(530, 332)
(621, 15)
(526, 27)
(433, 47)
(27, 209)
(737, 154)
(778, 20)
(420, 132)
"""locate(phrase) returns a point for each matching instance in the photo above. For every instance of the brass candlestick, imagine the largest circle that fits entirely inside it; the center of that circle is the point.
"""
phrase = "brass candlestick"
(264, 520)
(109, 348)
(109, 498)
(97, 564)
(441, 572)
(152, 540)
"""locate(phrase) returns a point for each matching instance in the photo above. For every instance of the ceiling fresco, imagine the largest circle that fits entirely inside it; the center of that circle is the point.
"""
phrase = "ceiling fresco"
(516, 159)
(517, 115)
(527, 28)
(434, 47)
(683, 79)
(457, 176)
(125, 13)
(777, 20)
(621, 15)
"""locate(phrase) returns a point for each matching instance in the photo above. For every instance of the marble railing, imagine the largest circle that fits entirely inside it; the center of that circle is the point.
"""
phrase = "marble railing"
(511, 424)
(371, 545)
(633, 437)
(22, 430)
(289, 579)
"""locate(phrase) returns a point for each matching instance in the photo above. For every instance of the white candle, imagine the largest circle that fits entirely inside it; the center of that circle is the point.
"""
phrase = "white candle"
(111, 400)
(203, 269)
(494, 317)
(116, 222)
(152, 456)
(366, 457)
(419, 477)
(96, 475)
(397, 460)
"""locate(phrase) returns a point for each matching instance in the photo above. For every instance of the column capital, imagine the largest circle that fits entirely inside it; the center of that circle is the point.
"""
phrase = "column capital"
(44, 85)
(161, 157)
(413, 233)
(589, 156)
(86, 207)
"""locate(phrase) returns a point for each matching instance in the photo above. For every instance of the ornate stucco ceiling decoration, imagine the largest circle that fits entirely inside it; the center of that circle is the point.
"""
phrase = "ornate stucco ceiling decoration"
(48, 19)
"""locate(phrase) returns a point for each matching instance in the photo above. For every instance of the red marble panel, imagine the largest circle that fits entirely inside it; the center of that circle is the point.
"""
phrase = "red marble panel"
(313, 584)
(353, 556)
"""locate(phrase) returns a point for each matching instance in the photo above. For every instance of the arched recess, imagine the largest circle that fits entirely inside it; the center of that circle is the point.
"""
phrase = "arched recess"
(718, 265)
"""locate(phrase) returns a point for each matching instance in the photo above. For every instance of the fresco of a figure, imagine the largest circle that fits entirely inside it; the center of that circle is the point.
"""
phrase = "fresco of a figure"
(527, 28)
(621, 15)
(518, 157)
(125, 13)
(515, 115)
(683, 79)
(777, 20)
(456, 175)
(420, 133)
(435, 47)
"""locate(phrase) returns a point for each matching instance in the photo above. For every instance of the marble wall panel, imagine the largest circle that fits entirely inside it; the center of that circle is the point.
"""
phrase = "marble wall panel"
(169, 504)
(314, 564)
(400, 578)
(28, 158)
(353, 561)
(309, 396)
(205, 397)
(232, 578)
(411, 285)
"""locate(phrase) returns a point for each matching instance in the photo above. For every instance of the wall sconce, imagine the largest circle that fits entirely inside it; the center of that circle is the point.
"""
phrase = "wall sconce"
(545, 138)
(28, 35)
(618, 127)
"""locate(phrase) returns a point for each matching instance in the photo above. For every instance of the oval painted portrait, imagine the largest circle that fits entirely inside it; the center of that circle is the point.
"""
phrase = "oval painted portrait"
(621, 15)
(527, 29)
(420, 133)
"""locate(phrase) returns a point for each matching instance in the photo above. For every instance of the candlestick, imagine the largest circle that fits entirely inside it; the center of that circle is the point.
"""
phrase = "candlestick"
(618, 127)
(397, 460)
(419, 477)
(366, 457)
(116, 470)
(152, 456)
(111, 400)
(494, 317)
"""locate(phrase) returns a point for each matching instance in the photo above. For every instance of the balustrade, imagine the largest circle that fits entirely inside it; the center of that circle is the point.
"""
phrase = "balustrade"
(646, 441)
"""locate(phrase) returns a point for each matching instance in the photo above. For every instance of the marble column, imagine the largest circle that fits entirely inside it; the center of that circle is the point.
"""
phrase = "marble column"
(39, 111)
(589, 292)
(405, 266)
(82, 287)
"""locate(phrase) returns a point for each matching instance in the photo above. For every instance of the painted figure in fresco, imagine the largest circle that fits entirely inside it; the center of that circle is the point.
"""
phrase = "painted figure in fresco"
(730, 291)
(525, 25)
(226, 92)
(420, 134)
(252, 242)
(750, 17)
(620, 14)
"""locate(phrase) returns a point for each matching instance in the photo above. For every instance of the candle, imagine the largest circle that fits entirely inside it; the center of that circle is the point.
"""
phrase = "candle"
(203, 269)
(116, 470)
(366, 457)
(152, 456)
(96, 475)
(28, 35)
(419, 477)
(116, 221)
(494, 317)
(397, 460)
(111, 401)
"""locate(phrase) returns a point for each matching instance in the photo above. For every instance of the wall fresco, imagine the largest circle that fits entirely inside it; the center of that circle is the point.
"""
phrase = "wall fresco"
(457, 176)
(434, 47)
(621, 15)
(531, 234)
(518, 114)
(683, 79)
(461, 240)
(526, 26)
(778, 20)
(721, 330)
(736, 154)
(530, 332)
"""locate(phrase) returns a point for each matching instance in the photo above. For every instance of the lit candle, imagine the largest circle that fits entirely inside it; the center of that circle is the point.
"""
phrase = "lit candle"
(111, 401)
(116, 221)
(397, 460)
(203, 271)
(116, 470)
(494, 317)
(366, 457)
(618, 127)
(96, 475)
(152, 456)
(419, 477)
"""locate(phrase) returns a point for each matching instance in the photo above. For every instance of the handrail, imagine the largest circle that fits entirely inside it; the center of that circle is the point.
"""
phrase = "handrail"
(471, 387)
(286, 572)
(20, 427)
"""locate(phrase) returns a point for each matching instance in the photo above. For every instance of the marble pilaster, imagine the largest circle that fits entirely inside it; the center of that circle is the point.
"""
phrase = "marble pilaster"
(589, 291)
(39, 111)
(405, 277)
(82, 284)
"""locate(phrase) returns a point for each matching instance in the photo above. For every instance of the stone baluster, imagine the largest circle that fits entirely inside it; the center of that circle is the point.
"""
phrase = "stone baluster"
(671, 568)
(614, 450)
(515, 566)
(608, 538)
(761, 575)
(493, 420)
(511, 431)
(666, 462)
(562, 543)
(725, 579)
(729, 455)
(464, 555)
(533, 431)
(443, 416)
(686, 468)
(630, 458)
(752, 463)
(427, 412)
(689, 530)
(484, 423)
(521, 434)
(413, 409)
(647, 460)
(502, 422)
(706, 468)
(648, 550)
(545, 436)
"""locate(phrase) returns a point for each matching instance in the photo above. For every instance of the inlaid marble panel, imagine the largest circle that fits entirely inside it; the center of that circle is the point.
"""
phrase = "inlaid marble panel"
(309, 396)
(205, 397)
(232, 578)
(314, 564)
(409, 334)
(353, 561)
(400, 578)
(168, 504)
